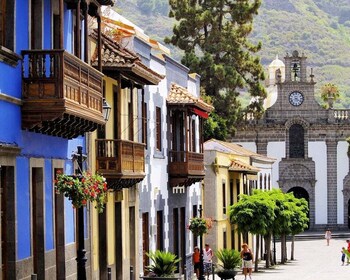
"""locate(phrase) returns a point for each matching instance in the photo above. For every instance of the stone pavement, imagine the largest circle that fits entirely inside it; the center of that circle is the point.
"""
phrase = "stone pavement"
(314, 260)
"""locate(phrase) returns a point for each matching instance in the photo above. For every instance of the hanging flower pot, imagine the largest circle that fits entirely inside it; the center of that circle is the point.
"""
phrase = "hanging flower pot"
(199, 226)
(83, 188)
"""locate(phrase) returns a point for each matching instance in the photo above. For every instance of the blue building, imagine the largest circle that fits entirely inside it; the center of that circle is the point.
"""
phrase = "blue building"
(50, 97)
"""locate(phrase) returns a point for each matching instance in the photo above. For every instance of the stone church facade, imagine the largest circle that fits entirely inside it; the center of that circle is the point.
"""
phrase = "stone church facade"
(307, 139)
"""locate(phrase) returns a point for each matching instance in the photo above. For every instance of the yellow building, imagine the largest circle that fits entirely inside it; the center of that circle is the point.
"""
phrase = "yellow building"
(119, 152)
(231, 170)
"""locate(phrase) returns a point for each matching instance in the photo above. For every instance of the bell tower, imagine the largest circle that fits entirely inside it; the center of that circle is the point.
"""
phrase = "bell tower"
(295, 67)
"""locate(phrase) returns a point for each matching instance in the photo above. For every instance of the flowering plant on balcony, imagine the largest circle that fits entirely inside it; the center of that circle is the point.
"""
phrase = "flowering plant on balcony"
(83, 188)
(199, 226)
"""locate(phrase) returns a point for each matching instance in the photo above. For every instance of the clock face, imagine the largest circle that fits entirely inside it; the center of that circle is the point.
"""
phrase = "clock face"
(296, 98)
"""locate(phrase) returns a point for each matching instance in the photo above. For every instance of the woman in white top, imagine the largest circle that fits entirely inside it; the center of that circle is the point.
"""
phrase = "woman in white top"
(207, 259)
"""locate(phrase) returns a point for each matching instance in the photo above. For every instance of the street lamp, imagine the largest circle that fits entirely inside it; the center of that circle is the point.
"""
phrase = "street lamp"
(201, 268)
(81, 258)
(106, 109)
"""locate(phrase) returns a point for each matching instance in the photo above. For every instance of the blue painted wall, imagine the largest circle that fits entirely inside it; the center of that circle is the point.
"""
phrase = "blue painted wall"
(49, 215)
(23, 208)
(35, 145)
(69, 211)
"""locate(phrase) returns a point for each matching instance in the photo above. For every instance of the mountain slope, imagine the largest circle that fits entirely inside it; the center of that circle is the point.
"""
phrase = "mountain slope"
(320, 29)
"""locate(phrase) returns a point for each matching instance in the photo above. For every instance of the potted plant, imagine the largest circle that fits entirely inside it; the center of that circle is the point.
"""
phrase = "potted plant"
(163, 265)
(229, 260)
(83, 188)
(199, 226)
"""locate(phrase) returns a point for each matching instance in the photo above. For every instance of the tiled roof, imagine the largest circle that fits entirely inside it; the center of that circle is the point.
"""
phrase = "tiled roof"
(114, 57)
(237, 165)
(179, 95)
(234, 148)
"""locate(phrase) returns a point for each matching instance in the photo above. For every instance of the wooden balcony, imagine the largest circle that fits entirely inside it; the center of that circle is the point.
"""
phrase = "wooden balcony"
(121, 162)
(185, 168)
(62, 95)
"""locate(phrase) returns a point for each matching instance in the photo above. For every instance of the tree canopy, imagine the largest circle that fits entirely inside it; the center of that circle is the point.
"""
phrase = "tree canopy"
(214, 37)
(270, 212)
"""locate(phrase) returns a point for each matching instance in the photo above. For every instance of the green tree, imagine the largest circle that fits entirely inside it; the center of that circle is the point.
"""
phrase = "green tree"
(290, 217)
(329, 94)
(214, 37)
(299, 218)
(270, 213)
(255, 214)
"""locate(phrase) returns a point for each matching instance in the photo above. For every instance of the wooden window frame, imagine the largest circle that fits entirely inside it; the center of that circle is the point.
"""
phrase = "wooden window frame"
(158, 129)
(7, 36)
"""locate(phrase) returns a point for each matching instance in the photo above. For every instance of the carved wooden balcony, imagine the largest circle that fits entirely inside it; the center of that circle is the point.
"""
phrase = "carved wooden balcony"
(121, 162)
(62, 95)
(185, 168)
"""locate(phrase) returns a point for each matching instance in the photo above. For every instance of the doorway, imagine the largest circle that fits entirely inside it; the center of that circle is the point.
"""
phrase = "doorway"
(300, 192)
(38, 222)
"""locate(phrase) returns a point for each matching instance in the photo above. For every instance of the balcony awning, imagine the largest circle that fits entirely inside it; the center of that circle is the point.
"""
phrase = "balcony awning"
(121, 60)
(200, 113)
(180, 96)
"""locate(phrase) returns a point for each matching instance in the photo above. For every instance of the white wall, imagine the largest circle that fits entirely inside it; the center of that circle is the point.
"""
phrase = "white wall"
(318, 153)
(343, 169)
(276, 150)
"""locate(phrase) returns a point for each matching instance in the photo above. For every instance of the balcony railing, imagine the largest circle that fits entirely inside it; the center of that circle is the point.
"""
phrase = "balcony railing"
(120, 161)
(186, 163)
(62, 95)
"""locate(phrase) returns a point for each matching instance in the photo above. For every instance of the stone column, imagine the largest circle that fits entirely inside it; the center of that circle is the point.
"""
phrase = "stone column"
(331, 181)
(261, 147)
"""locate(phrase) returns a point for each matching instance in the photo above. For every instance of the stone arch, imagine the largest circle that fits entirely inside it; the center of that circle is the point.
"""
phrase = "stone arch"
(300, 177)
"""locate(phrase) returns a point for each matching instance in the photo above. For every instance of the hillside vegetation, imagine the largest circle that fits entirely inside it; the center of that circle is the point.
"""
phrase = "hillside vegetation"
(318, 28)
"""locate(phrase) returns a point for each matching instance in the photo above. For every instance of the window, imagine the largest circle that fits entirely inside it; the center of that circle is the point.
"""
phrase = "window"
(224, 239)
(193, 135)
(160, 238)
(144, 124)
(231, 192)
(2, 21)
(158, 129)
(7, 23)
(223, 197)
(296, 141)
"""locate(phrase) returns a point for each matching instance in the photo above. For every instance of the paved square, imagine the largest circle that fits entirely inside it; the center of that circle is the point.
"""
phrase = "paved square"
(314, 260)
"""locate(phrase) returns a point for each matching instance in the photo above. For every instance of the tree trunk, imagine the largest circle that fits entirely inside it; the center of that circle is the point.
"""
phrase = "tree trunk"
(257, 252)
(267, 239)
(292, 248)
(283, 249)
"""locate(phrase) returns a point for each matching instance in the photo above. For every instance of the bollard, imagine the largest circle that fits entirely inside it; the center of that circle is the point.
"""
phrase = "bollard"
(185, 272)
(131, 272)
(213, 270)
(34, 277)
(109, 273)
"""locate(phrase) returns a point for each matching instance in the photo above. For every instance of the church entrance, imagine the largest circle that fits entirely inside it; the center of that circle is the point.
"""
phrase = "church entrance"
(300, 192)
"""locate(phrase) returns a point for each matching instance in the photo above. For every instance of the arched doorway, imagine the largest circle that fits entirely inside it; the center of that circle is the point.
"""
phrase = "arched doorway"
(300, 192)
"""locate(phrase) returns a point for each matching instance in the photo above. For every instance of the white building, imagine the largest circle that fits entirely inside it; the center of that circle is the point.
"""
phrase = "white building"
(308, 141)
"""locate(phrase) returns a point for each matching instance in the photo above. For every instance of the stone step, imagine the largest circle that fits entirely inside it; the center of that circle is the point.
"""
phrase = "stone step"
(318, 235)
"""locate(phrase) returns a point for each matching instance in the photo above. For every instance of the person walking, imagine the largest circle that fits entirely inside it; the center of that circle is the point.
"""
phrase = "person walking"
(196, 261)
(328, 236)
(207, 260)
(247, 261)
(343, 255)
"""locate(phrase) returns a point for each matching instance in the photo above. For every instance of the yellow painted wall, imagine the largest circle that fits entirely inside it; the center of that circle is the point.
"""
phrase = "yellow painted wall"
(222, 223)
(127, 199)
